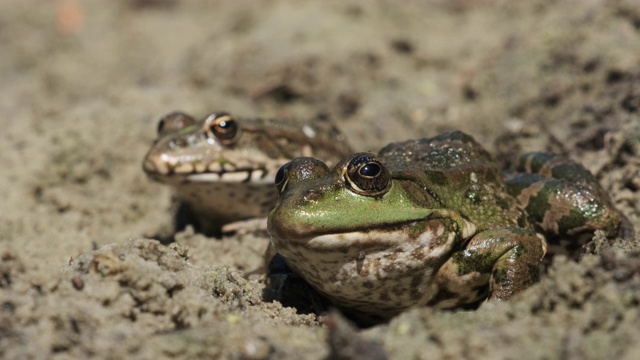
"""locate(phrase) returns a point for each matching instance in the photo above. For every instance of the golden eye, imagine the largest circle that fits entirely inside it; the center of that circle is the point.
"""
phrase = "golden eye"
(173, 122)
(367, 176)
(223, 127)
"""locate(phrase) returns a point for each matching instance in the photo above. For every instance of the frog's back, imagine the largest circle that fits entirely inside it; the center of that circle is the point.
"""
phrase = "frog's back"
(445, 158)
(459, 173)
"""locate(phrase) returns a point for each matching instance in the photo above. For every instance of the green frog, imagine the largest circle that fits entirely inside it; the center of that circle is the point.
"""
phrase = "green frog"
(223, 168)
(429, 222)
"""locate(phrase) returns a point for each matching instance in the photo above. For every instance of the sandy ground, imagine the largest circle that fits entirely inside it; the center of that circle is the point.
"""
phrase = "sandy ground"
(84, 82)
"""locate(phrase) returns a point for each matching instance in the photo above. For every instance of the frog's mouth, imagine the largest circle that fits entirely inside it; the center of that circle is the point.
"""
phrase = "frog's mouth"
(197, 173)
(239, 176)
(301, 227)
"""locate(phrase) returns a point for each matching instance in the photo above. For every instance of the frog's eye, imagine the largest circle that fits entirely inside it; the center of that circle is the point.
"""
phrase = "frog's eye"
(367, 176)
(300, 169)
(173, 122)
(223, 127)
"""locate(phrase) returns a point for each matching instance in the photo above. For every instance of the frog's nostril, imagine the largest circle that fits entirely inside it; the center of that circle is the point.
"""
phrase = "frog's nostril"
(173, 122)
(312, 195)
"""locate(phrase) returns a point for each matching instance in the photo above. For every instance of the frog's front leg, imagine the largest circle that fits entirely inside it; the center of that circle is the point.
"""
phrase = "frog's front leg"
(506, 259)
(563, 198)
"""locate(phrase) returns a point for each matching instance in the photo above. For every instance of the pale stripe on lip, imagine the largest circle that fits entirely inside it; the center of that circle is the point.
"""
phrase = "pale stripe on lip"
(254, 177)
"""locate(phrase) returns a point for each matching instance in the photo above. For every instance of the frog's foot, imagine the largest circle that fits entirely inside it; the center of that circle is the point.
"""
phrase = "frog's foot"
(243, 227)
(507, 259)
(518, 255)
(562, 197)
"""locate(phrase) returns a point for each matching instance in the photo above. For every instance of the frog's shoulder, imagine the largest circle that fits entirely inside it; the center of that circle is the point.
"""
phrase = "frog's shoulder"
(448, 152)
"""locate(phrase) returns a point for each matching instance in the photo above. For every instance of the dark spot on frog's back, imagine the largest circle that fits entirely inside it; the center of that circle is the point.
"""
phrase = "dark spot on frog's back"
(576, 218)
(535, 160)
(572, 172)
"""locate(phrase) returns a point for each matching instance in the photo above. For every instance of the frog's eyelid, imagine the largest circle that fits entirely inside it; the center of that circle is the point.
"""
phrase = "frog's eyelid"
(173, 122)
(358, 190)
(352, 185)
(283, 186)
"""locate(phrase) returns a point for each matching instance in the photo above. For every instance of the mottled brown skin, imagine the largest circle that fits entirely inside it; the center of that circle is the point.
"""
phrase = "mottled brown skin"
(426, 222)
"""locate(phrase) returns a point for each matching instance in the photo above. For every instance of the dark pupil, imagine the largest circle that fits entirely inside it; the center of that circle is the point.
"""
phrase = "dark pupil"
(370, 170)
(224, 125)
(225, 129)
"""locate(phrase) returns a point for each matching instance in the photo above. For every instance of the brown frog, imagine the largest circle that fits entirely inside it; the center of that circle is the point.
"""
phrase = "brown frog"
(223, 168)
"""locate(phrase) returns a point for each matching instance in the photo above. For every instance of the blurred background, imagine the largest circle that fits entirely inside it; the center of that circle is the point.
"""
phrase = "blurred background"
(83, 83)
